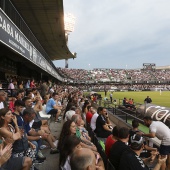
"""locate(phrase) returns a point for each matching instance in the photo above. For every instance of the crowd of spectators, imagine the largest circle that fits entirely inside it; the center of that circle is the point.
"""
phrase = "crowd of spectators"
(20, 122)
(116, 75)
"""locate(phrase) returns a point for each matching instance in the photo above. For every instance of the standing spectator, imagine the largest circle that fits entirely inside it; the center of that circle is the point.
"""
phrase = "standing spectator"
(27, 85)
(20, 85)
(32, 84)
(11, 87)
(111, 97)
(148, 100)
(0, 85)
(161, 131)
(2, 98)
(43, 89)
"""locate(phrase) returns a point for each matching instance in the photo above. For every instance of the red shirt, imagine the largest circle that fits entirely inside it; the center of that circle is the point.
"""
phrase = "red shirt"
(32, 85)
(108, 145)
(88, 117)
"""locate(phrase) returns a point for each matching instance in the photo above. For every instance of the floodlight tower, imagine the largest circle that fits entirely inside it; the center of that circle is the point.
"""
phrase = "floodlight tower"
(69, 22)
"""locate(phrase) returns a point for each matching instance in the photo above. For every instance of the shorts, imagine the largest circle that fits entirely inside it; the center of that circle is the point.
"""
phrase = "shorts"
(14, 162)
(164, 150)
(53, 112)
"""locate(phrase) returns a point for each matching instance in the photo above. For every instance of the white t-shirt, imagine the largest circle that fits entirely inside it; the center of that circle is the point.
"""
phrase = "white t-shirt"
(67, 164)
(1, 105)
(161, 131)
(93, 121)
(69, 115)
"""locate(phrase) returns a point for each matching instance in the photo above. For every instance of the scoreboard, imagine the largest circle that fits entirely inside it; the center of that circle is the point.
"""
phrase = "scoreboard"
(149, 66)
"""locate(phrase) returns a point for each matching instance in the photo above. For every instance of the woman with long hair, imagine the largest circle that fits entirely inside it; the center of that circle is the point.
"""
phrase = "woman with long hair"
(69, 128)
(12, 134)
(69, 145)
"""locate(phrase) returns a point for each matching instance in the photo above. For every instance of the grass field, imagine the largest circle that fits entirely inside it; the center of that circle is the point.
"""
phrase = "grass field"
(162, 100)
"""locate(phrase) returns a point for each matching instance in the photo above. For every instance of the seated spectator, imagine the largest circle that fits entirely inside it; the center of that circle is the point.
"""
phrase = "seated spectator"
(86, 159)
(70, 144)
(130, 159)
(103, 125)
(125, 102)
(37, 123)
(83, 131)
(33, 135)
(11, 104)
(11, 134)
(93, 119)
(69, 129)
(89, 114)
(78, 120)
(84, 109)
(111, 140)
(51, 107)
(70, 113)
(119, 147)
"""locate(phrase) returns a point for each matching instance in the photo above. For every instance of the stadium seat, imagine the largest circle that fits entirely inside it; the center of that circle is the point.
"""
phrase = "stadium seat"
(43, 114)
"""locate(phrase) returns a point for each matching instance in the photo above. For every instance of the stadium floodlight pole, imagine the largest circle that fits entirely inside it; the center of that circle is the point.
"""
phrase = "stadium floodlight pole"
(69, 22)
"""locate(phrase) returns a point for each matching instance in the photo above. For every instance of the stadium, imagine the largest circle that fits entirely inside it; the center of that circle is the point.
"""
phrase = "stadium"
(46, 111)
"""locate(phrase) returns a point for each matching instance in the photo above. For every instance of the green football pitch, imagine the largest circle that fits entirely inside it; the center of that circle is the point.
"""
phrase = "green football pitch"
(162, 99)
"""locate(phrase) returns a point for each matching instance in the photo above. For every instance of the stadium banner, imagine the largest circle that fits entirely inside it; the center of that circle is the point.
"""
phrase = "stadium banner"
(156, 112)
(11, 36)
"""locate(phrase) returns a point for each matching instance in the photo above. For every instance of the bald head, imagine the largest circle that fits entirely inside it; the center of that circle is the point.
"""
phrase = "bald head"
(82, 159)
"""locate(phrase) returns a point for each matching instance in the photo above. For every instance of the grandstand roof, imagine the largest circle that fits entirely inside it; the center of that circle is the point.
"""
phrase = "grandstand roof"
(45, 19)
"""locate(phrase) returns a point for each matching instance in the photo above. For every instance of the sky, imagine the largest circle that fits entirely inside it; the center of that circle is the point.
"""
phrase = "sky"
(118, 33)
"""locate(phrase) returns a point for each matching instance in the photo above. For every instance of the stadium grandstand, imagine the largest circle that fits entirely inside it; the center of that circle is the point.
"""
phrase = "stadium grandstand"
(46, 121)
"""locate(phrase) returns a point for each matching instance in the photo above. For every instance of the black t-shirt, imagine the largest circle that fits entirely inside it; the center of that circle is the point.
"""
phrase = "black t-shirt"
(118, 148)
(100, 131)
(131, 161)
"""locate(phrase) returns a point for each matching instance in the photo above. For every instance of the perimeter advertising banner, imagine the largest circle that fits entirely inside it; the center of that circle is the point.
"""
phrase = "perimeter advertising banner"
(15, 39)
(156, 112)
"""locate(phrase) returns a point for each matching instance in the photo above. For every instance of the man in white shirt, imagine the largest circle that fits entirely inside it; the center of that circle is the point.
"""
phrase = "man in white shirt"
(2, 98)
(93, 119)
(161, 131)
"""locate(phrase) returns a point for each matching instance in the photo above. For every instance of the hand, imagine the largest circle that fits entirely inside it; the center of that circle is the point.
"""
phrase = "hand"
(45, 136)
(9, 140)
(99, 167)
(7, 148)
(162, 159)
(32, 146)
(140, 133)
(14, 119)
(153, 155)
(6, 154)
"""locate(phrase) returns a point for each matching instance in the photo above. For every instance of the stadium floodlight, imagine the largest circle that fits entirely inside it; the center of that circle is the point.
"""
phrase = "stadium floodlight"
(69, 22)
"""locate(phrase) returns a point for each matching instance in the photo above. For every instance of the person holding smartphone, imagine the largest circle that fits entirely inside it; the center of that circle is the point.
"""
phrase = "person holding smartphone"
(103, 125)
